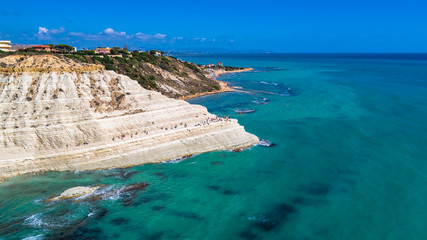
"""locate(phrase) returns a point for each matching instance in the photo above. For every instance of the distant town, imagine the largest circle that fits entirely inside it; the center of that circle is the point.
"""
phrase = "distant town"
(116, 58)
(6, 46)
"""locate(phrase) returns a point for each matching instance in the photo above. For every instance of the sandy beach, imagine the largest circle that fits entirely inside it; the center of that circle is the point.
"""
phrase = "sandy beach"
(223, 85)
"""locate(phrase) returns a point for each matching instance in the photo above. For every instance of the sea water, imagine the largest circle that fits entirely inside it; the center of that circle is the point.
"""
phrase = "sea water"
(349, 161)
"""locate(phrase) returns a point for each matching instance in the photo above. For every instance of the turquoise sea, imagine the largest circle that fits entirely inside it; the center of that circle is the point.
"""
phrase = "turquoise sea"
(349, 162)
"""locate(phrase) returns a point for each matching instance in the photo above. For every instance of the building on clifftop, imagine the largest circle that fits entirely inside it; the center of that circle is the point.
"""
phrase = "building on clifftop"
(42, 48)
(101, 50)
(5, 46)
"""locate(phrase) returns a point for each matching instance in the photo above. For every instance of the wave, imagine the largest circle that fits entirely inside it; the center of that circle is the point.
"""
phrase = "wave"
(269, 83)
(37, 237)
(110, 192)
(177, 160)
(268, 69)
(262, 101)
(40, 221)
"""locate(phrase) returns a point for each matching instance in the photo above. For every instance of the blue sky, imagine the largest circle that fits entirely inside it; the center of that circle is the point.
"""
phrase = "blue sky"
(276, 26)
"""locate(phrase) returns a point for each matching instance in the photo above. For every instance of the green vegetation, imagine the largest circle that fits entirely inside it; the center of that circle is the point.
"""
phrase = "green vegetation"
(140, 67)
(192, 66)
(229, 68)
(114, 51)
(150, 69)
(63, 48)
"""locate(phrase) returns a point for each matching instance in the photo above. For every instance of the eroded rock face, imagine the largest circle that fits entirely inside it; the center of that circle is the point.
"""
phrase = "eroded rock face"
(43, 63)
(88, 118)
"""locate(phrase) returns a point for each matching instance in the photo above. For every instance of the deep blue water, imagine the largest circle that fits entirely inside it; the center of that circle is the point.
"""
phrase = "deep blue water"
(350, 162)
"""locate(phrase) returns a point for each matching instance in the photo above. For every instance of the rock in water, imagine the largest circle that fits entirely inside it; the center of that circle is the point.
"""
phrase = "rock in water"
(244, 111)
(57, 114)
(74, 192)
(266, 143)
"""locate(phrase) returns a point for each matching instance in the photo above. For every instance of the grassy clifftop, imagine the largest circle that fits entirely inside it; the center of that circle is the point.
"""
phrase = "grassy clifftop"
(166, 74)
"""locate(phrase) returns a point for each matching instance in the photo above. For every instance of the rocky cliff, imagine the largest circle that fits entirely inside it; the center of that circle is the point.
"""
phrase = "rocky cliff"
(58, 114)
(165, 74)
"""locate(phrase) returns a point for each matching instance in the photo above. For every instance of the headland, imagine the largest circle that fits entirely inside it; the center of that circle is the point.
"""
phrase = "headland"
(67, 115)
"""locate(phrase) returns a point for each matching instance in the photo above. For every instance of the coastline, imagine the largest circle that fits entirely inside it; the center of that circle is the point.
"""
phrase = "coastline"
(134, 126)
(223, 85)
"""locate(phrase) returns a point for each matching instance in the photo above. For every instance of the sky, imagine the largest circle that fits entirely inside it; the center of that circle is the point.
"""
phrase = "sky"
(295, 26)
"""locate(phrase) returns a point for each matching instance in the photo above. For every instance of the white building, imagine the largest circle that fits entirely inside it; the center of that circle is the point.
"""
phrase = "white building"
(5, 46)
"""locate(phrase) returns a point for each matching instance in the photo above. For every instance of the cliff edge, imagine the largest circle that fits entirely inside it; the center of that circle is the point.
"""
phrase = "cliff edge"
(57, 114)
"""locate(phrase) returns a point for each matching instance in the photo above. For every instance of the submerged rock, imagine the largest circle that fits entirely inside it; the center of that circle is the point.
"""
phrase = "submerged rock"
(244, 111)
(262, 101)
(132, 187)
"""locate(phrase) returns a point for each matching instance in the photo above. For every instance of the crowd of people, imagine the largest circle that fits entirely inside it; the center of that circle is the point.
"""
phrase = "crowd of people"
(205, 122)
(212, 120)
(123, 136)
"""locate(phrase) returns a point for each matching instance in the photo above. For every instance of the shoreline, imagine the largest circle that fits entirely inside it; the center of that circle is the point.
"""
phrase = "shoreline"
(148, 127)
(223, 85)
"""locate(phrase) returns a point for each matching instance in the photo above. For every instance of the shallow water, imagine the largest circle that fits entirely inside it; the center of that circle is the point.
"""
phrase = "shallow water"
(349, 162)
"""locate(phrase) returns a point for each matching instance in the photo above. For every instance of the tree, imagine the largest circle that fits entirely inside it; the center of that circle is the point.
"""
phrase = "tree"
(115, 51)
(122, 51)
(64, 47)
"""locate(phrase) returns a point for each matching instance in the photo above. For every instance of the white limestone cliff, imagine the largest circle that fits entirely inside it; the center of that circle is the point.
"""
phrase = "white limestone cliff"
(57, 115)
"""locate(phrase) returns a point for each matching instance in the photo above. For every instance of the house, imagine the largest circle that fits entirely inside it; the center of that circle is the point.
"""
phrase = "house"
(219, 64)
(5, 46)
(42, 48)
(101, 50)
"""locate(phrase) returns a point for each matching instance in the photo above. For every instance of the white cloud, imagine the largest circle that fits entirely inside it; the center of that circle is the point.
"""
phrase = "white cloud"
(146, 37)
(110, 31)
(199, 39)
(142, 36)
(159, 36)
(57, 31)
(111, 34)
(45, 33)
(42, 30)
(76, 34)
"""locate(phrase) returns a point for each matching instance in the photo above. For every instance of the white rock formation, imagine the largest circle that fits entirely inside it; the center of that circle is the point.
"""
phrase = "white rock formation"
(56, 115)
(74, 192)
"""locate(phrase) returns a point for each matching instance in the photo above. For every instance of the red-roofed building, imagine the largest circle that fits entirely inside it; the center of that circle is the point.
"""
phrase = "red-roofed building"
(42, 48)
(101, 50)
(45, 48)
